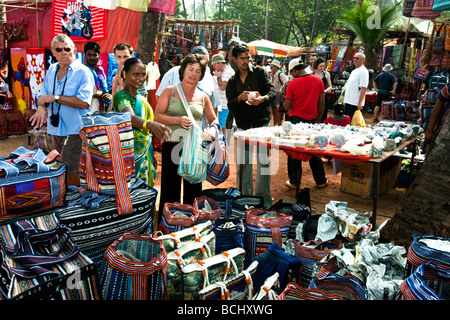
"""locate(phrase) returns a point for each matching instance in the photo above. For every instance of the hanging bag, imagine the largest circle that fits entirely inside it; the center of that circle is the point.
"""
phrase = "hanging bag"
(218, 170)
(194, 157)
(422, 73)
(107, 156)
(423, 9)
(439, 39)
(441, 5)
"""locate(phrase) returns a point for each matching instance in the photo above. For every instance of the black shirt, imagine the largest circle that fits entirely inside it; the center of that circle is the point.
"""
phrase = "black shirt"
(248, 116)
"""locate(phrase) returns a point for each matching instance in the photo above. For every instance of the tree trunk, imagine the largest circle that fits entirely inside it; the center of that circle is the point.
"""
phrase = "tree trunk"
(148, 34)
(426, 205)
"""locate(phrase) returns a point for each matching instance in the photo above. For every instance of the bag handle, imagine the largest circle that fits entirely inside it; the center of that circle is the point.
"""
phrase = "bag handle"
(249, 283)
(186, 105)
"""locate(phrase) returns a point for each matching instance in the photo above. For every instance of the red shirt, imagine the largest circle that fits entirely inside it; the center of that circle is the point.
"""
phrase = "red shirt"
(341, 123)
(304, 92)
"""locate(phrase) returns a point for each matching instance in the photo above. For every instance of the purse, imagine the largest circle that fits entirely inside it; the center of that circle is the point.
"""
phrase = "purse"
(237, 288)
(94, 220)
(107, 156)
(135, 268)
(218, 268)
(218, 170)
(31, 181)
(422, 73)
(38, 251)
(177, 216)
(194, 156)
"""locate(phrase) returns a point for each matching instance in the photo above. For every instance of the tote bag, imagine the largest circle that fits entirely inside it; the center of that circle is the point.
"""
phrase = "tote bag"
(107, 156)
(218, 170)
(423, 9)
(194, 157)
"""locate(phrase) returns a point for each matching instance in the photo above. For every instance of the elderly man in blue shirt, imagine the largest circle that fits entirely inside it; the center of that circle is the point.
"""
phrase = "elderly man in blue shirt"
(64, 98)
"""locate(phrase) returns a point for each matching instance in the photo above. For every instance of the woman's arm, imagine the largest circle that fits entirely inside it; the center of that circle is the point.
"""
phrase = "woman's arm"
(161, 109)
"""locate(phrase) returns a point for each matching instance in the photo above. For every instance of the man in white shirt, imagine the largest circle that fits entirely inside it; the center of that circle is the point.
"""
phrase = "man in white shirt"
(312, 58)
(207, 85)
(356, 87)
(278, 80)
(222, 73)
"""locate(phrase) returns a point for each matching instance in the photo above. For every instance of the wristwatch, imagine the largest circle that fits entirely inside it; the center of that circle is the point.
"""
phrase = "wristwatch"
(56, 98)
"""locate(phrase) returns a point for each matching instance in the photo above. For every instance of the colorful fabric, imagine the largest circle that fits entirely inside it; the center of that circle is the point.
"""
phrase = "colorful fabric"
(30, 182)
(107, 156)
(100, 84)
(176, 217)
(135, 269)
(163, 6)
(36, 72)
(143, 147)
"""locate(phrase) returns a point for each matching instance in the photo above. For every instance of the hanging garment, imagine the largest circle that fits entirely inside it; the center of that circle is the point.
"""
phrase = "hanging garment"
(104, 4)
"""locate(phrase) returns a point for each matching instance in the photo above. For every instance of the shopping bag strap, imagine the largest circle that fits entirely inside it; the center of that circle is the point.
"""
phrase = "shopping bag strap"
(186, 105)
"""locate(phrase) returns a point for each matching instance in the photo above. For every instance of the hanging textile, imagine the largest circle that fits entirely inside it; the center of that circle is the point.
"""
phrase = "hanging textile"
(80, 22)
(36, 72)
(20, 85)
(104, 4)
(136, 5)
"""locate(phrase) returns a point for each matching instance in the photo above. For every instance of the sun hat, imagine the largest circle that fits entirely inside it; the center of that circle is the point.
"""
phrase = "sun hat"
(387, 68)
(276, 63)
(217, 58)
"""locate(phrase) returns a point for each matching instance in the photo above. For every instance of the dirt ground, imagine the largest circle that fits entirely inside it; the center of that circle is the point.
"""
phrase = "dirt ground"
(387, 203)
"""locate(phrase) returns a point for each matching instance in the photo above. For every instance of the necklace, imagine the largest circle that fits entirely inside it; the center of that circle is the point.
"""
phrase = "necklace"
(128, 91)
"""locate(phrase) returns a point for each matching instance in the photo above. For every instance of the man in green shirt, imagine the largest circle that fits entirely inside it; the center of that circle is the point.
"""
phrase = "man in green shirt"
(249, 113)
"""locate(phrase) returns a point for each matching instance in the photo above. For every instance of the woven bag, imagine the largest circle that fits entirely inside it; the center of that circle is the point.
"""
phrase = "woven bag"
(135, 268)
(107, 156)
(207, 208)
(177, 216)
(348, 287)
(16, 125)
(294, 291)
(423, 9)
(218, 170)
(229, 233)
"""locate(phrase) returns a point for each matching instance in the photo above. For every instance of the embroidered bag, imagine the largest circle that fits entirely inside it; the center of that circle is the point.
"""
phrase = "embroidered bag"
(194, 156)
(107, 156)
(237, 288)
(299, 211)
(263, 228)
(41, 139)
(135, 268)
(422, 73)
(38, 251)
(218, 268)
(16, 125)
(31, 181)
(177, 216)
(223, 196)
(423, 9)
(94, 220)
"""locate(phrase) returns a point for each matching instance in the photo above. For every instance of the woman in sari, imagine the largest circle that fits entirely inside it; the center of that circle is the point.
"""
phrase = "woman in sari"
(129, 100)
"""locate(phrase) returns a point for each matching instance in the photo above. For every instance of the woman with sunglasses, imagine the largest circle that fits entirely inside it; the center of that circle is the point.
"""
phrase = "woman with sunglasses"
(129, 100)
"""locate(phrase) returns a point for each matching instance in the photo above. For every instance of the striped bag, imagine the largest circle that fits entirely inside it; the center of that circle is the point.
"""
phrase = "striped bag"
(348, 287)
(310, 253)
(175, 240)
(263, 228)
(229, 233)
(94, 220)
(107, 156)
(428, 282)
(207, 208)
(426, 248)
(39, 261)
(423, 9)
(294, 291)
(31, 181)
(177, 216)
(237, 288)
(218, 170)
(241, 204)
(194, 156)
(200, 248)
(135, 268)
(223, 196)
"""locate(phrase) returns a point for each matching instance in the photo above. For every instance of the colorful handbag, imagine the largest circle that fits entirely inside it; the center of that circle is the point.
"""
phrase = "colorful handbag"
(423, 9)
(241, 204)
(94, 220)
(237, 288)
(294, 291)
(223, 196)
(107, 156)
(177, 239)
(31, 181)
(194, 156)
(218, 170)
(263, 228)
(218, 268)
(423, 250)
(422, 73)
(441, 5)
(207, 208)
(16, 125)
(135, 268)
(177, 216)
(300, 213)
(39, 261)
(348, 287)
(199, 249)
(41, 139)
(428, 282)
(229, 233)
(311, 252)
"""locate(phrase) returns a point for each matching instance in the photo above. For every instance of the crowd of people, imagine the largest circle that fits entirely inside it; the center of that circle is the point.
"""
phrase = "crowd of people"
(231, 92)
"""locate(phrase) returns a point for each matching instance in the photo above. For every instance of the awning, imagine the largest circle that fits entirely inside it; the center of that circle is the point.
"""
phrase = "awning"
(268, 48)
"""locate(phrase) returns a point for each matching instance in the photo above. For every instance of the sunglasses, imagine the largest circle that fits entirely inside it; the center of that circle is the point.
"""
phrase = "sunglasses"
(66, 49)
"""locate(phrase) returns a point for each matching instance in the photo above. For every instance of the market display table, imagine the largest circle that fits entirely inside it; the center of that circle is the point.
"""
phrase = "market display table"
(306, 153)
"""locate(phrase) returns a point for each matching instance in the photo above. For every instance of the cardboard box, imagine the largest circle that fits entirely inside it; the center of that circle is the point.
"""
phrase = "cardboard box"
(357, 179)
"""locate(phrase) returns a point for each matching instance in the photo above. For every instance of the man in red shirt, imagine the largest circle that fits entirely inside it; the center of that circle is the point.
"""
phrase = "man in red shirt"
(304, 102)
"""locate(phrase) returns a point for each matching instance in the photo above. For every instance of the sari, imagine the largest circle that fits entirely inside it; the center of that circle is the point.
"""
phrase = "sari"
(143, 147)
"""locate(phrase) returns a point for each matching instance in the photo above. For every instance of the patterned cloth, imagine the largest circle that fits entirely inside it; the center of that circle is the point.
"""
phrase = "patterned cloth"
(143, 147)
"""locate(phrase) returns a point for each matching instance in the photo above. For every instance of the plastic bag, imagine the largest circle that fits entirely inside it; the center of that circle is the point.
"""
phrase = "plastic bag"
(358, 119)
